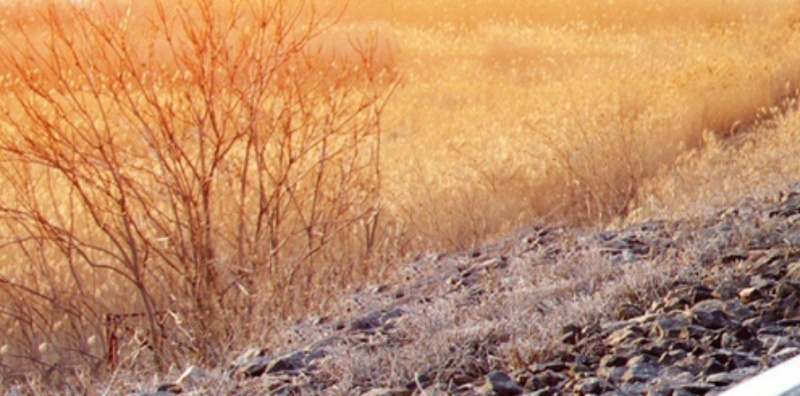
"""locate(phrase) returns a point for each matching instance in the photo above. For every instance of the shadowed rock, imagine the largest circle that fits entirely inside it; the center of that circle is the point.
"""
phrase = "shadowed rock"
(503, 385)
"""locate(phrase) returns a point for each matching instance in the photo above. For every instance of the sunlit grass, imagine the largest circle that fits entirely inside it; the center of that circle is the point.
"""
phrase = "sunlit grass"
(524, 114)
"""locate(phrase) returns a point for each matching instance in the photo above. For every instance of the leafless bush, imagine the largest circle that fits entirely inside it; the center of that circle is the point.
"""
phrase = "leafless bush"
(206, 165)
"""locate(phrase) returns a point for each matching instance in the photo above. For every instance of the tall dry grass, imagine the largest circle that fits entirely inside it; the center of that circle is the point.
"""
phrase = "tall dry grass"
(542, 111)
(760, 161)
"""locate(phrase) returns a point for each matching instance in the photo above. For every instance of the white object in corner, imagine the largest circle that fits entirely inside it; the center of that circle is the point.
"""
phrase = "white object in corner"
(781, 380)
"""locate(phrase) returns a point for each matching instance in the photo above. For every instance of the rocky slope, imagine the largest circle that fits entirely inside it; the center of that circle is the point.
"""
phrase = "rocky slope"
(658, 308)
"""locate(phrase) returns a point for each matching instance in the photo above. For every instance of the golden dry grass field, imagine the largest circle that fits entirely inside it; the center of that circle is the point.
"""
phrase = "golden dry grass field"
(514, 111)
(250, 159)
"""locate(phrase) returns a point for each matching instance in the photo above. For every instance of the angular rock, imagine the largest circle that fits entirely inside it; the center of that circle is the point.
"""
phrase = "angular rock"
(726, 290)
(784, 355)
(779, 343)
(712, 367)
(254, 368)
(546, 380)
(737, 311)
(732, 377)
(786, 288)
(732, 360)
(675, 376)
(365, 324)
(625, 336)
(614, 360)
(169, 389)
(672, 356)
(503, 385)
(593, 386)
(696, 388)
(287, 364)
(710, 314)
(554, 366)
(671, 325)
(612, 374)
(393, 314)
(640, 372)
(744, 373)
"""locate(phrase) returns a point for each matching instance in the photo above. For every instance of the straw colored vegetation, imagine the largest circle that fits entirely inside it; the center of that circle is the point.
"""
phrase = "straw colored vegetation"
(523, 111)
(222, 166)
(177, 170)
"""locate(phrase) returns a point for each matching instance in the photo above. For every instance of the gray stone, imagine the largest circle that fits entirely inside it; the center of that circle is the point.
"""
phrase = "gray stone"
(640, 372)
(542, 392)
(671, 325)
(784, 355)
(732, 377)
(388, 392)
(786, 288)
(779, 343)
(593, 385)
(169, 388)
(503, 385)
(744, 373)
(393, 314)
(731, 360)
(634, 388)
(683, 392)
(710, 314)
(546, 380)
(675, 376)
(612, 374)
(726, 290)
(696, 388)
(737, 311)
(614, 360)
(625, 336)
(672, 356)
(288, 363)
(316, 354)
(254, 368)
(366, 324)
(549, 367)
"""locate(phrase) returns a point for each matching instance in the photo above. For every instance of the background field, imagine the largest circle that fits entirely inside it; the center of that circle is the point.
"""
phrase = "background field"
(511, 113)
(492, 115)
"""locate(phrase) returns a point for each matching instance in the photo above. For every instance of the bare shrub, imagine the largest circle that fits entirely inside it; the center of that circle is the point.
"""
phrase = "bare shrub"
(195, 163)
